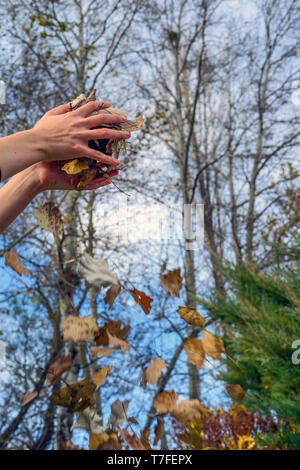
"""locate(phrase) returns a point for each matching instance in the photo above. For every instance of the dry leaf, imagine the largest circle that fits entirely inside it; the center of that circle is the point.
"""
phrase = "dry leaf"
(74, 167)
(118, 412)
(28, 397)
(195, 352)
(49, 217)
(101, 352)
(172, 282)
(145, 439)
(79, 328)
(212, 346)
(70, 446)
(142, 299)
(154, 370)
(133, 125)
(112, 294)
(99, 377)
(143, 381)
(12, 259)
(164, 402)
(77, 397)
(106, 441)
(191, 316)
(131, 419)
(187, 411)
(158, 430)
(114, 327)
(117, 342)
(236, 392)
(57, 368)
(86, 177)
(131, 439)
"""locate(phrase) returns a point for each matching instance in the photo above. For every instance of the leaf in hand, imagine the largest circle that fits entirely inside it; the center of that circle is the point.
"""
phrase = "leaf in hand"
(12, 259)
(142, 299)
(212, 346)
(191, 316)
(74, 167)
(195, 352)
(172, 282)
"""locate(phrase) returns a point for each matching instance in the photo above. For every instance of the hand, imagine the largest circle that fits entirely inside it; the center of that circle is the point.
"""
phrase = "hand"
(64, 135)
(50, 176)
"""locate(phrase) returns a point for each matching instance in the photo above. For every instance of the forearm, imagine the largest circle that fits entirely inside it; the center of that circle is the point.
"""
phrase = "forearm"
(19, 151)
(16, 195)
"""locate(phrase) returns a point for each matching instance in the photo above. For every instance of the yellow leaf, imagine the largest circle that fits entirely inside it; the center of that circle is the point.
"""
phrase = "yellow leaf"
(191, 316)
(99, 377)
(154, 370)
(75, 167)
(212, 346)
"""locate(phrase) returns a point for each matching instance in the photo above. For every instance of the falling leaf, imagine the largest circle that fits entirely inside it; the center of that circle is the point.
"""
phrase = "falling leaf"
(195, 352)
(77, 397)
(99, 377)
(112, 294)
(28, 397)
(145, 439)
(118, 412)
(49, 217)
(57, 368)
(172, 282)
(96, 271)
(164, 402)
(106, 441)
(73, 167)
(193, 437)
(117, 342)
(142, 299)
(154, 370)
(12, 259)
(212, 346)
(79, 328)
(158, 430)
(191, 316)
(236, 392)
(131, 419)
(143, 381)
(114, 327)
(187, 411)
(101, 352)
(131, 439)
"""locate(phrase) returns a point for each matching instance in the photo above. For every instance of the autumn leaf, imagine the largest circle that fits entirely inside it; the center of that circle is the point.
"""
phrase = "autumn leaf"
(145, 439)
(193, 436)
(79, 328)
(117, 342)
(133, 125)
(101, 352)
(86, 177)
(131, 439)
(187, 411)
(28, 397)
(112, 294)
(212, 346)
(132, 420)
(143, 381)
(236, 392)
(142, 299)
(165, 401)
(75, 167)
(99, 377)
(69, 445)
(172, 282)
(77, 397)
(49, 217)
(118, 412)
(158, 430)
(191, 316)
(12, 260)
(114, 327)
(57, 368)
(105, 441)
(154, 370)
(195, 352)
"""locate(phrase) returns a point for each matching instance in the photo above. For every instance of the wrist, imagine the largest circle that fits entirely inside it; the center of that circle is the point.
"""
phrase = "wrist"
(37, 145)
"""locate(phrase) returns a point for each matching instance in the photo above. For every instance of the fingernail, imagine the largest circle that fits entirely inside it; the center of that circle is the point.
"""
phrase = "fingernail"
(123, 119)
(127, 134)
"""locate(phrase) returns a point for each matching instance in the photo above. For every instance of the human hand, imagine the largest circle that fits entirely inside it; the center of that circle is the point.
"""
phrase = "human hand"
(64, 135)
(50, 176)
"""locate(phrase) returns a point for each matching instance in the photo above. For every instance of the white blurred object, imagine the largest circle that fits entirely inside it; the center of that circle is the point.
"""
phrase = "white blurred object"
(96, 271)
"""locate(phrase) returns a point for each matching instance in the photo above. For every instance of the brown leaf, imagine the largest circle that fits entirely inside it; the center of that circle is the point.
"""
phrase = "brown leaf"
(212, 346)
(154, 370)
(145, 439)
(187, 411)
(236, 392)
(112, 294)
(191, 316)
(114, 328)
(105, 441)
(143, 381)
(142, 299)
(133, 125)
(172, 282)
(49, 217)
(158, 430)
(79, 328)
(57, 368)
(99, 377)
(101, 352)
(12, 259)
(131, 419)
(28, 397)
(75, 167)
(69, 445)
(195, 352)
(131, 439)
(117, 342)
(77, 397)
(164, 402)
(86, 177)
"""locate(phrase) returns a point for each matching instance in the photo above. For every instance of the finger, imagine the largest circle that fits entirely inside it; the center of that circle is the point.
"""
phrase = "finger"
(95, 155)
(95, 185)
(106, 133)
(100, 119)
(113, 173)
(63, 108)
(91, 107)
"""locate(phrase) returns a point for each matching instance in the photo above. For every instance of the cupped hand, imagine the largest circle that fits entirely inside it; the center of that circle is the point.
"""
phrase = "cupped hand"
(64, 135)
(52, 177)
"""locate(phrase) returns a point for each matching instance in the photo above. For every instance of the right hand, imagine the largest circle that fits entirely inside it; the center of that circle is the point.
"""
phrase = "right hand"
(64, 135)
